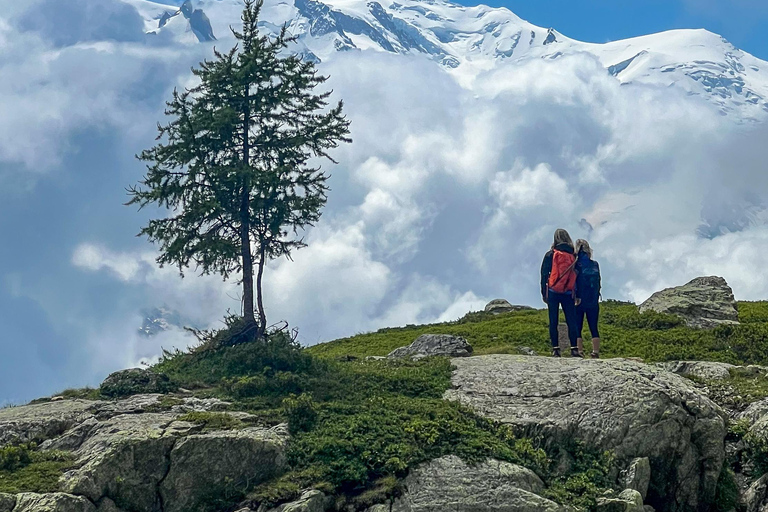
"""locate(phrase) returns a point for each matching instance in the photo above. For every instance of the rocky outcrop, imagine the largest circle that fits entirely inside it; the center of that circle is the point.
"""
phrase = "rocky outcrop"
(135, 381)
(703, 303)
(756, 497)
(448, 483)
(41, 421)
(55, 502)
(7, 502)
(628, 501)
(633, 409)
(638, 476)
(497, 306)
(310, 501)
(434, 345)
(702, 369)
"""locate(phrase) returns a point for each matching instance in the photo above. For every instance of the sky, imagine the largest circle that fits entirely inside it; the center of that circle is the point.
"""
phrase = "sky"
(743, 22)
(442, 202)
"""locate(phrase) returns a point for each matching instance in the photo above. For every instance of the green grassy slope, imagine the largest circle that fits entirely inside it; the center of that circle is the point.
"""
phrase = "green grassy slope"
(624, 331)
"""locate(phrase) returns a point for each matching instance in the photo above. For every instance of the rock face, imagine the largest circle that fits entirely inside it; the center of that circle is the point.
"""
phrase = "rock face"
(634, 409)
(638, 476)
(310, 501)
(756, 497)
(497, 306)
(434, 345)
(41, 421)
(701, 369)
(448, 483)
(704, 303)
(135, 381)
(56, 502)
(7, 502)
(628, 501)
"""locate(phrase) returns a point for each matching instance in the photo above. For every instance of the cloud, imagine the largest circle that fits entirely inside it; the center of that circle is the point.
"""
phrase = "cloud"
(448, 196)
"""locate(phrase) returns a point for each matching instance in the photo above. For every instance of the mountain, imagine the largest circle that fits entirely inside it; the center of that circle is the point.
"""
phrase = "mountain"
(467, 41)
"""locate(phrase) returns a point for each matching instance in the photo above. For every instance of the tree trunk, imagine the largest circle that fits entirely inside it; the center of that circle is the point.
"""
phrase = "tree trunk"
(262, 314)
(245, 219)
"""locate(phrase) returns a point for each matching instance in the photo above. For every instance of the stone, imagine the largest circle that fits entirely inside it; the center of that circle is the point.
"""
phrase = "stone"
(755, 411)
(378, 508)
(54, 502)
(434, 345)
(703, 303)
(107, 505)
(638, 476)
(448, 483)
(628, 500)
(7, 502)
(42, 421)
(527, 351)
(310, 501)
(217, 462)
(648, 508)
(633, 409)
(497, 306)
(134, 381)
(702, 369)
(756, 496)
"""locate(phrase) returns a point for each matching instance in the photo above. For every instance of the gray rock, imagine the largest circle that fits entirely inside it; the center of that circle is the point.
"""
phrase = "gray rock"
(756, 497)
(107, 505)
(38, 422)
(7, 502)
(378, 508)
(135, 381)
(648, 508)
(638, 476)
(703, 303)
(497, 306)
(217, 462)
(434, 345)
(448, 483)
(636, 410)
(527, 351)
(310, 501)
(55, 502)
(755, 411)
(628, 501)
(702, 369)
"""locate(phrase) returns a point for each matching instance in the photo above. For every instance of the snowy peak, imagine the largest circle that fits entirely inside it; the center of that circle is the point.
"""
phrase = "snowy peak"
(185, 23)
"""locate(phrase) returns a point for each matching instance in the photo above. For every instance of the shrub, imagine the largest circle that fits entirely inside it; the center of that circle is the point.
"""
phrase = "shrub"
(301, 412)
(22, 469)
(15, 457)
(727, 492)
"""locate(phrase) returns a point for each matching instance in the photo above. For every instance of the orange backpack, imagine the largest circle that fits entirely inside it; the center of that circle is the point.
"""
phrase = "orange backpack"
(562, 279)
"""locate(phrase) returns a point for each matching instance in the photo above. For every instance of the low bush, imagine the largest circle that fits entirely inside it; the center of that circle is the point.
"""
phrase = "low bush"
(23, 469)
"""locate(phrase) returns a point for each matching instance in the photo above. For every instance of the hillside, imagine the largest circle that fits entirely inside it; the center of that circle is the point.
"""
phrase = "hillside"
(258, 424)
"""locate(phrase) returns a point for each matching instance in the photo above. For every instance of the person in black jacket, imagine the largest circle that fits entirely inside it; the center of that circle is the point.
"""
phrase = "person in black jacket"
(588, 283)
(558, 279)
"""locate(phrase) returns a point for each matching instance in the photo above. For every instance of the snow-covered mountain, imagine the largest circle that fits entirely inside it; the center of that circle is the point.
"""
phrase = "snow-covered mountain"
(467, 41)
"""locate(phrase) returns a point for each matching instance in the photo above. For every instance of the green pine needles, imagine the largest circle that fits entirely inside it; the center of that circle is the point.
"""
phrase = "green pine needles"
(233, 165)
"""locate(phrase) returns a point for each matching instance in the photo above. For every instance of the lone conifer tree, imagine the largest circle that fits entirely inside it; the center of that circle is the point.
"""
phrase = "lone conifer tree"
(232, 164)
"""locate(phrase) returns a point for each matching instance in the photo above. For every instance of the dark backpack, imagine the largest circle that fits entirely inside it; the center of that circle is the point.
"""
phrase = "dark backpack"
(588, 282)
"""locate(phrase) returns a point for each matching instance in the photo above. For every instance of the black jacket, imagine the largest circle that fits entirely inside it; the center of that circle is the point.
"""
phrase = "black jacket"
(546, 267)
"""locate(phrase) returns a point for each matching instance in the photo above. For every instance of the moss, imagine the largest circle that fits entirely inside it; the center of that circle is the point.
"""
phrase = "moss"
(212, 420)
(22, 469)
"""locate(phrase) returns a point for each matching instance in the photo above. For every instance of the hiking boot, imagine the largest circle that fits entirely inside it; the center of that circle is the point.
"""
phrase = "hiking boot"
(555, 352)
(594, 355)
(575, 353)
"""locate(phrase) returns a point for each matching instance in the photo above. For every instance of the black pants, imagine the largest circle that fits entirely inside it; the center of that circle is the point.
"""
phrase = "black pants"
(554, 302)
(592, 313)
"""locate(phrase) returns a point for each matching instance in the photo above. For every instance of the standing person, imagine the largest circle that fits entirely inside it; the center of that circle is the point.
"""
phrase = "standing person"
(587, 295)
(558, 284)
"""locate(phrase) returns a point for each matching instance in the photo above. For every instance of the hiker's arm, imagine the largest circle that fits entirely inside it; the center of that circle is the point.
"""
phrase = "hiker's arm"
(546, 269)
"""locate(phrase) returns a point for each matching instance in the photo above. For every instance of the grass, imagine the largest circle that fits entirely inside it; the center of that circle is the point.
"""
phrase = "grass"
(624, 331)
(23, 469)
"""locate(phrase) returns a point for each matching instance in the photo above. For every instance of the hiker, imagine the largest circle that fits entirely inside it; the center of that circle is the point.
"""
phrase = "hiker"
(587, 295)
(558, 284)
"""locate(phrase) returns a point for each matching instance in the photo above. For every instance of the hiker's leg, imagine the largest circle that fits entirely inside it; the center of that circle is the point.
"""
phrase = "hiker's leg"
(553, 304)
(570, 318)
(579, 328)
(593, 314)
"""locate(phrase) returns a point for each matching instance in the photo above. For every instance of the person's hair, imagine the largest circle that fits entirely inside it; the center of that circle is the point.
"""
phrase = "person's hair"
(562, 237)
(583, 245)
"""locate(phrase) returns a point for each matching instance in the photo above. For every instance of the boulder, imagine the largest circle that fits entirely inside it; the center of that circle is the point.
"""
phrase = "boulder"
(702, 369)
(136, 381)
(107, 505)
(628, 501)
(703, 303)
(756, 497)
(310, 501)
(638, 476)
(497, 306)
(434, 345)
(42, 421)
(7, 502)
(448, 483)
(218, 462)
(755, 411)
(55, 502)
(633, 409)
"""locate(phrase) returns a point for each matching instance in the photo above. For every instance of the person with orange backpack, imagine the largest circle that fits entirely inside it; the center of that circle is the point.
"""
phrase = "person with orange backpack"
(558, 286)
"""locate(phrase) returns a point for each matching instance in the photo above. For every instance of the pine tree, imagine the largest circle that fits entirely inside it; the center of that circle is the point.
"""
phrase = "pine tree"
(233, 165)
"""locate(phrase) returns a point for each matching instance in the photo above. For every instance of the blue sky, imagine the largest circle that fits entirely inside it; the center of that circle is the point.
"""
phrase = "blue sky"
(743, 22)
